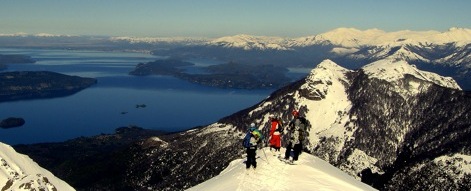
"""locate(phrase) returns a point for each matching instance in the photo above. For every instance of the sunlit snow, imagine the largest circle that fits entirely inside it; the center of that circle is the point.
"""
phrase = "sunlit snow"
(309, 173)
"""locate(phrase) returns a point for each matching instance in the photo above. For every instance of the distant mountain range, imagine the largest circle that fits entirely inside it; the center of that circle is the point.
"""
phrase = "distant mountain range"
(446, 53)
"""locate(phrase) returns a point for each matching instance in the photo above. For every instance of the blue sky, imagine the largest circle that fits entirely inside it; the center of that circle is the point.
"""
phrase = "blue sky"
(216, 18)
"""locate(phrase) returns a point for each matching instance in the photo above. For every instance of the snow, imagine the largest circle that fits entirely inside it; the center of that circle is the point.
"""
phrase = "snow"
(459, 161)
(216, 127)
(134, 40)
(359, 161)
(343, 51)
(309, 173)
(351, 37)
(328, 113)
(20, 170)
(392, 71)
(248, 42)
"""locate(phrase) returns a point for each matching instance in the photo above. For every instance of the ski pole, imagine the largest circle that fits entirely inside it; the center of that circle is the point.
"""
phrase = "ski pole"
(265, 155)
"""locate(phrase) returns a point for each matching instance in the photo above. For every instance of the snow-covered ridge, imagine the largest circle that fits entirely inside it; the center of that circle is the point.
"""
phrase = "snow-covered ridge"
(310, 173)
(19, 172)
(351, 37)
(248, 42)
(392, 70)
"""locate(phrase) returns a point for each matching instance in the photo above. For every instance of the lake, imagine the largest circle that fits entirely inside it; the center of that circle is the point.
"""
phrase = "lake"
(171, 104)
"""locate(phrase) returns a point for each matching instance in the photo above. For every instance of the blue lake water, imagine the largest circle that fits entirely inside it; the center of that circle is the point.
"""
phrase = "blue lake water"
(171, 104)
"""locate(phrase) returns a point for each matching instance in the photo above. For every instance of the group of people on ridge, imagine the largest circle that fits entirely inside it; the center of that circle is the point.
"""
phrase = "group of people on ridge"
(295, 132)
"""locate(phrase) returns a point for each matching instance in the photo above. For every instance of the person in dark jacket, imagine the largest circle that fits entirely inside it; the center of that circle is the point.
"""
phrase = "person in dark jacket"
(296, 132)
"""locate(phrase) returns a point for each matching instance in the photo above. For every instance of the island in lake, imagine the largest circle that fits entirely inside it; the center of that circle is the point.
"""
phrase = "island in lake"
(229, 75)
(12, 122)
(40, 84)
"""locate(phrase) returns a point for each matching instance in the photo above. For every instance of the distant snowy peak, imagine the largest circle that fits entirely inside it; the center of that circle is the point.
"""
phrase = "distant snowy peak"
(19, 172)
(248, 42)
(392, 71)
(351, 37)
(151, 40)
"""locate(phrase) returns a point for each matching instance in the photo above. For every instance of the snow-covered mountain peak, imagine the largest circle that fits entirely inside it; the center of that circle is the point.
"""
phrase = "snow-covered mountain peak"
(310, 173)
(393, 71)
(322, 77)
(19, 172)
(248, 42)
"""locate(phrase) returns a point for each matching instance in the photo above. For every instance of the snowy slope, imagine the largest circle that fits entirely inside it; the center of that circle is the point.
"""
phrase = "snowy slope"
(19, 172)
(392, 71)
(310, 173)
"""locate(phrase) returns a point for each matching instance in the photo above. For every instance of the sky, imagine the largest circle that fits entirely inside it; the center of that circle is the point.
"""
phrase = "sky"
(217, 18)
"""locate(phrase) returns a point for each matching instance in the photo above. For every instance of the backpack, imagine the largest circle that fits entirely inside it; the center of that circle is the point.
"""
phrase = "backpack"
(302, 128)
(246, 141)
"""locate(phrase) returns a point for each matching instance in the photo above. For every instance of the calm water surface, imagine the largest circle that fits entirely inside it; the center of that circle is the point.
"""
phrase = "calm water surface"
(171, 104)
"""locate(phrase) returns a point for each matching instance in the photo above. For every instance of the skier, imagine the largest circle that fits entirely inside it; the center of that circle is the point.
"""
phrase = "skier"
(253, 138)
(275, 133)
(296, 130)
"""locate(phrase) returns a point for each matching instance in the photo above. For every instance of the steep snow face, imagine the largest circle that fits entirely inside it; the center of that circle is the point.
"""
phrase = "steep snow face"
(324, 93)
(19, 172)
(248, 42)
(394, 71)
(310, 173)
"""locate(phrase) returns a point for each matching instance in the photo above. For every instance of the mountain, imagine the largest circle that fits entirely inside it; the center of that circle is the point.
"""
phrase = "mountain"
(381, 124)
(446, 53)
(354, 38)
(19, 172)
(309, 173)
(248, 42)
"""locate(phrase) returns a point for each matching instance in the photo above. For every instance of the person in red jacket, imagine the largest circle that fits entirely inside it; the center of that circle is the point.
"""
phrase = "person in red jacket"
(275, 133)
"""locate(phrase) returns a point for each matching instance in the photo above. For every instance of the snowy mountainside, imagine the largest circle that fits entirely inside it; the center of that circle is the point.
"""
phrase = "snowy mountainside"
(309, 173)
(392, 71)
(19, 172)
(377, 123)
